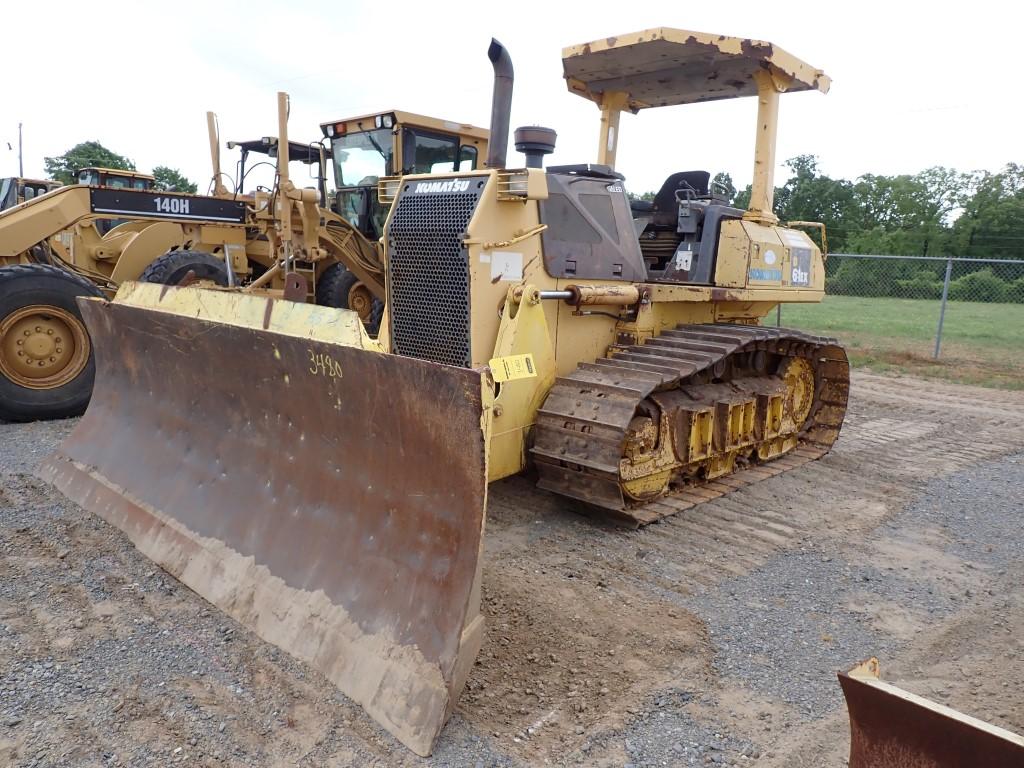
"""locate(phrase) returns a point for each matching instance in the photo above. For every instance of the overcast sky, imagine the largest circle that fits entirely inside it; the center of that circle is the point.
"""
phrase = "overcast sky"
(914, 84)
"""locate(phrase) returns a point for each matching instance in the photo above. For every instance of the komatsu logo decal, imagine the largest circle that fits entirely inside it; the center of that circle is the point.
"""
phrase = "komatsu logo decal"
(451, 185)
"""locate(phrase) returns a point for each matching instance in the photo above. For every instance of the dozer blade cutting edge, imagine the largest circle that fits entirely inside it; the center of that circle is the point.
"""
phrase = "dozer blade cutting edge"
(892, 728)
(326, 495)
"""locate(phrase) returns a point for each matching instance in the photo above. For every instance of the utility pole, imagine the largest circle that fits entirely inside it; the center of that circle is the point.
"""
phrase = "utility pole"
(21, 167)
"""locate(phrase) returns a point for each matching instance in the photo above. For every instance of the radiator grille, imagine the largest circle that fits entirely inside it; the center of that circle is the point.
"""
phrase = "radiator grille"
(428, 274)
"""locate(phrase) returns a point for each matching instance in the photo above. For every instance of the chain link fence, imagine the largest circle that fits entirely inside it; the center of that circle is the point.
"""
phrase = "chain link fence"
(921, 307)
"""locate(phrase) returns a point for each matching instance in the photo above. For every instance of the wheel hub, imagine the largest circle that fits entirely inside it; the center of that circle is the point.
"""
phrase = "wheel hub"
(360, 300)
(42, 347)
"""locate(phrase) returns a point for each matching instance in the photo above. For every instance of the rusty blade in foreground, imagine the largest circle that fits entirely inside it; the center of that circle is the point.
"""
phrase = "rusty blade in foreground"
(327, 496)
(891, 728)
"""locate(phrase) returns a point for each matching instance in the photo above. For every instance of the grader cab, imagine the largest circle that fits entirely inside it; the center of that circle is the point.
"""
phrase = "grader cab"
(15, 190)
(390, 143)
(329, 489)
(114, 178)
(366, 148)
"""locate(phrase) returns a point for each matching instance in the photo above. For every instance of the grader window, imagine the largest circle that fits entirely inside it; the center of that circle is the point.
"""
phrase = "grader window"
(360, 159)
(8, 193)
(428, 152)
(467, 158)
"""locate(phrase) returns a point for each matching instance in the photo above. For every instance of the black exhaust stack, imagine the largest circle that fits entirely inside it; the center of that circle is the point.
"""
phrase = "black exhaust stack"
(501, 104)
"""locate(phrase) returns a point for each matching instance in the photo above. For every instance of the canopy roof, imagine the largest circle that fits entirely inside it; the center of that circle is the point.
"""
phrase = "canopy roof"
(662, 67)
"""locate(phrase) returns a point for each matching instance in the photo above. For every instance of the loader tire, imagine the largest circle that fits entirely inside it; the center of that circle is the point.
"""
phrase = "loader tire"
(173, 266)
(46, 361)
(341, 289)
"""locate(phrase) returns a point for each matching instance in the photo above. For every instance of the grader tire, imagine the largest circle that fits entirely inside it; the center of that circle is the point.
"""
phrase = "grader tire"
(46, 360)
(341, 289)
(172, 268)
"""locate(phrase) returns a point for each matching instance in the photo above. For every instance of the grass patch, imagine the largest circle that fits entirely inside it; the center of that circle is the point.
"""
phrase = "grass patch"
(982, 344)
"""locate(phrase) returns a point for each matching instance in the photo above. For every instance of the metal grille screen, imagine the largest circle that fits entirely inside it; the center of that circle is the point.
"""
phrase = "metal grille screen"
(428, 274)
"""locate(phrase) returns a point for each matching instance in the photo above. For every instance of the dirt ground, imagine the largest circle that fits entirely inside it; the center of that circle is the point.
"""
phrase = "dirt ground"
(712, 637)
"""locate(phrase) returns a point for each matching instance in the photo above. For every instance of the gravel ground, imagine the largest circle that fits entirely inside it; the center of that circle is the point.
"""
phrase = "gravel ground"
(711, 638)
(783, 630)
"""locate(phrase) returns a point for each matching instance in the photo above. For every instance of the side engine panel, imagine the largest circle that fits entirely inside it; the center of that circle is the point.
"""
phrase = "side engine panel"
(590, 233)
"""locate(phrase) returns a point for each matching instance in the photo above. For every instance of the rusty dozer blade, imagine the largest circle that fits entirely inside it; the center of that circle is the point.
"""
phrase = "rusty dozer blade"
(891, 728)
(326, 495)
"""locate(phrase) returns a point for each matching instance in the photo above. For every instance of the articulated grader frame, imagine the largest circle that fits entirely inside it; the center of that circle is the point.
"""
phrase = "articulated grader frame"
(60, 245)
(246, 231)
(328, 489)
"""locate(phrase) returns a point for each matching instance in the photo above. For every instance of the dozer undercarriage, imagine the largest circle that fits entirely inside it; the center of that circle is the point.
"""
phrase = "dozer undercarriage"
(685, 410)
(328, 489)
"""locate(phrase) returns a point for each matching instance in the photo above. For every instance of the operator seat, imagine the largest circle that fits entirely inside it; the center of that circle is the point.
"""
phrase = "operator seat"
(665, 205)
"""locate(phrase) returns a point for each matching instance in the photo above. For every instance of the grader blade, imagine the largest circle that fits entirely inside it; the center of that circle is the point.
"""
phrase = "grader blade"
(892, 728)
(326, 495)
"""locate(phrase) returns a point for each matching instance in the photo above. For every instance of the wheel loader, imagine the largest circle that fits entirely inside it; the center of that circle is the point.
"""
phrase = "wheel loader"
(66, 244)
(328, 489)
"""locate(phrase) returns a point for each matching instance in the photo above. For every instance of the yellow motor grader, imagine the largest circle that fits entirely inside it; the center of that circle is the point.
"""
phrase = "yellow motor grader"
(86, 239)
(328, 489)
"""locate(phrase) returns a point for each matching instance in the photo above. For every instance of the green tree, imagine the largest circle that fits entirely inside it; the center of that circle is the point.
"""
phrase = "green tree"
(937, 212)
(810, 195)
(910, 212)
(992, 223)
(84, 155)
(171, 180)
(742, 197)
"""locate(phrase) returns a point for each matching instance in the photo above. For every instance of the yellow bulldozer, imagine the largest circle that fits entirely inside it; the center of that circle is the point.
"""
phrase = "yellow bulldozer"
(328, 489)
(86, 239)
